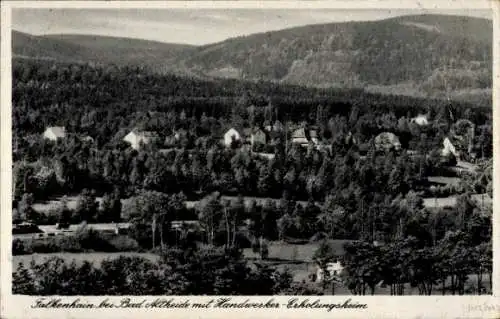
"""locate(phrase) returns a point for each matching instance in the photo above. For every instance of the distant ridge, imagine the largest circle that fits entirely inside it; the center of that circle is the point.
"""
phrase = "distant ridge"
(425, 55)
(95, 48)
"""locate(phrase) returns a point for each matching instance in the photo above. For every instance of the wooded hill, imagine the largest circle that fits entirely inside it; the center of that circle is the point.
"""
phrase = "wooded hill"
(418, 55)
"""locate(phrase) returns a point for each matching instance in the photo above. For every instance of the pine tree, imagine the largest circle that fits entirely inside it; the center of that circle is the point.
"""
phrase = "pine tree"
(22, 281)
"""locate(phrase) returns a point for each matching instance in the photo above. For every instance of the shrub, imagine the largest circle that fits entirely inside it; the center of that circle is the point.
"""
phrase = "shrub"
(124, 243)
(18, 248)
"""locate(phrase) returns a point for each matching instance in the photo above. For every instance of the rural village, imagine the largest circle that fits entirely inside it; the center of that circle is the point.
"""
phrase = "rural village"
(131, 181)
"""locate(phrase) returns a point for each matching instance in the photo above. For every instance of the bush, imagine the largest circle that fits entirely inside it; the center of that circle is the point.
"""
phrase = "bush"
(18, 248)
(195, 272)
(55, 245)
(124, 243)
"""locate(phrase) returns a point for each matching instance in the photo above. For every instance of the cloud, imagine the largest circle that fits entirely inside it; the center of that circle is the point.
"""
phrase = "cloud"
(192, 26)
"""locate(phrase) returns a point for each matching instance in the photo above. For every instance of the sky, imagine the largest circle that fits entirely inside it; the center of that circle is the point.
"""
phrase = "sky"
(193, 26)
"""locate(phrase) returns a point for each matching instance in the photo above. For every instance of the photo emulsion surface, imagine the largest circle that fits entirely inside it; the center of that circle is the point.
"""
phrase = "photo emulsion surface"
(251, 152)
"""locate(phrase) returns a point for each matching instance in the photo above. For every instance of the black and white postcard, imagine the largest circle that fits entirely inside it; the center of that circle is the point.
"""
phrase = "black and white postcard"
(276, 159)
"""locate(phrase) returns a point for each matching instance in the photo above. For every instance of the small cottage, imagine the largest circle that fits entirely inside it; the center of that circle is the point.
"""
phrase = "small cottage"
(258, 137)
(230, 136)
(137, 138)
(299, 137)
(54, 133)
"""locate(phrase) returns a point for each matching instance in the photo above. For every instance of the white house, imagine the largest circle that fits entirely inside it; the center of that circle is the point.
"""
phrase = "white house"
(138, 138)
(420, 119)
(230, 136)
(334, 269)
(449, 148)
(54, 133)
(300, 137)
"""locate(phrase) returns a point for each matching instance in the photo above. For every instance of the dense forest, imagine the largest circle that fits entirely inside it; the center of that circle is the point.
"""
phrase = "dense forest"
(353, 189)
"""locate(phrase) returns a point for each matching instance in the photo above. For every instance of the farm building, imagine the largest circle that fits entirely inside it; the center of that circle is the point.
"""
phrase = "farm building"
(387, 141)
(230, 136)
(137, 138)
(54, 133)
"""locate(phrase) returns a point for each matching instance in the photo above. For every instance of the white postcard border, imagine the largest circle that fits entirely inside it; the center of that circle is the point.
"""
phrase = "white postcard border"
(378, 306)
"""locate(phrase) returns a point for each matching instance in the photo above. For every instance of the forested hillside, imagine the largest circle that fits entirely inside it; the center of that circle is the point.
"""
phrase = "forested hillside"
(386, 52)
(96, 49)
(426, 55)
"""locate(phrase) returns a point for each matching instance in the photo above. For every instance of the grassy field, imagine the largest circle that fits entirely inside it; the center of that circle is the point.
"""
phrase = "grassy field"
(440, 202)
(296, 258)
(295, 252)
(455, 181)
